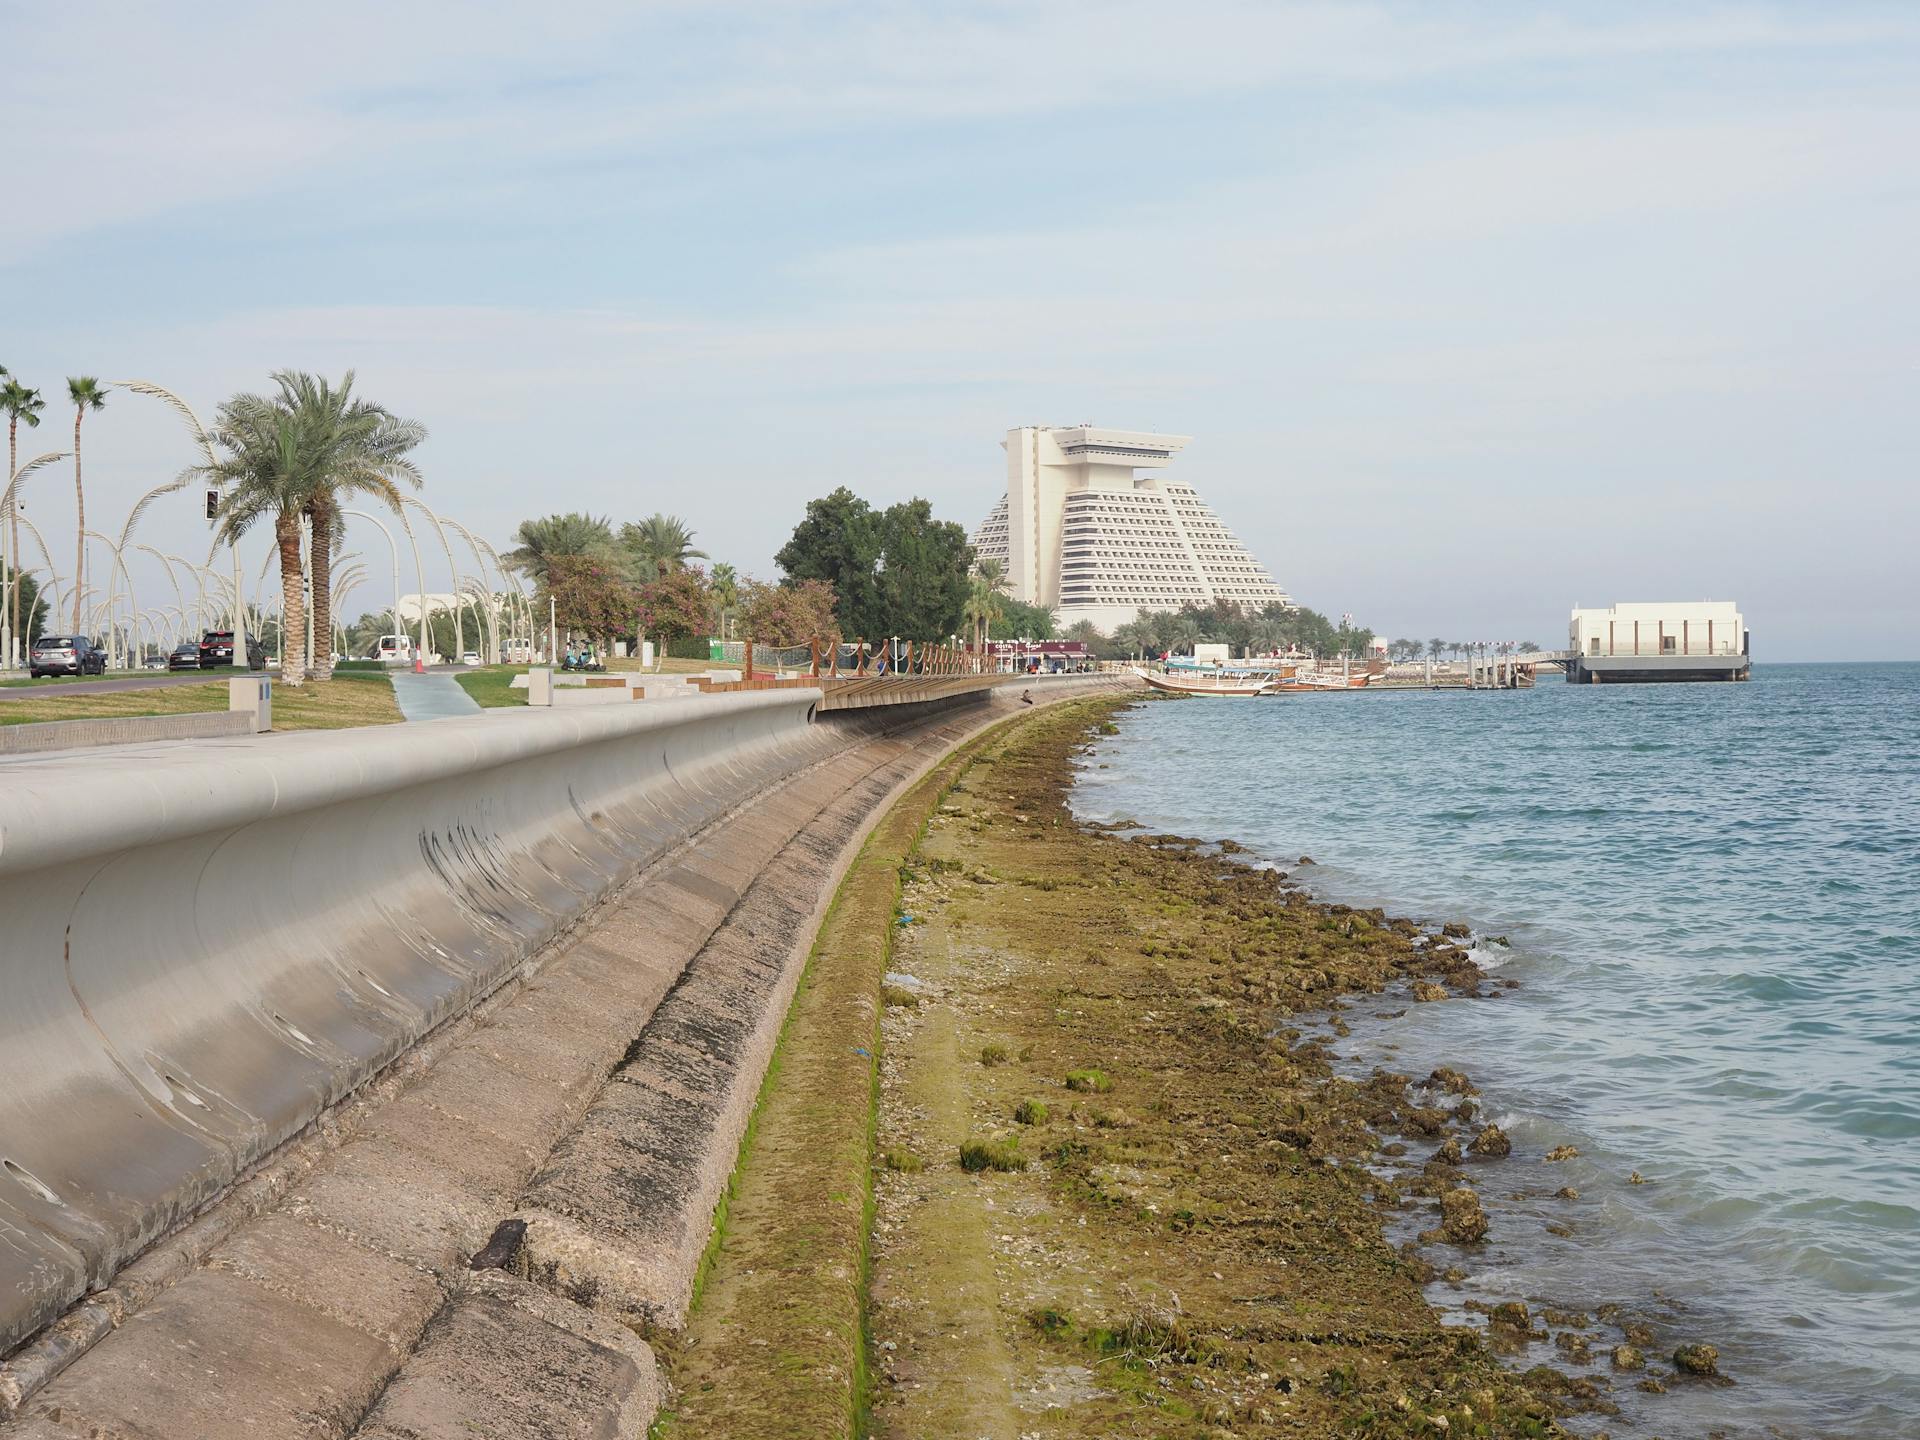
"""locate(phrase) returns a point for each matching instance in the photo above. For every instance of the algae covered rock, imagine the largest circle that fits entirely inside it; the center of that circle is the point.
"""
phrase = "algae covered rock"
(1697, 1359)
(1513, 1315)
(1491, 1141)
(1628, 1357)
(1462, 1221)
(1561, 1152)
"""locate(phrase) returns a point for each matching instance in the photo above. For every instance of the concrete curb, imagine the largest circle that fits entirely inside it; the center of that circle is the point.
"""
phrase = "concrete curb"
(42, 736)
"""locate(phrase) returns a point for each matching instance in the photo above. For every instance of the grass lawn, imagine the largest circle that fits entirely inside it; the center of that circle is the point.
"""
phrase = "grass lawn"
(671, 666)
(337, 704)
(488, 685)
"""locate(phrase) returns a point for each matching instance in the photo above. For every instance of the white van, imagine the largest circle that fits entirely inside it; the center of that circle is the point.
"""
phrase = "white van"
(392, 649)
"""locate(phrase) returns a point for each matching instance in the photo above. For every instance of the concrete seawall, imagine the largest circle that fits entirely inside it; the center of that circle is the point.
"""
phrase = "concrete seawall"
(208, 945)
(209, 954)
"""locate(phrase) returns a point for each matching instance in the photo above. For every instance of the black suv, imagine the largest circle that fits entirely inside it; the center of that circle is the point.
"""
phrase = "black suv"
(216, 651)
(65, 655)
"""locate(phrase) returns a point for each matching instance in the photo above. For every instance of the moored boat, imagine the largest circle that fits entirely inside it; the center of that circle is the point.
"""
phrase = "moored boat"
(1218, 686)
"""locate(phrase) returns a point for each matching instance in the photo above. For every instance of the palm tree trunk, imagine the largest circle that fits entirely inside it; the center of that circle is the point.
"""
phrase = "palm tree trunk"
(321, 661)
(80, 531)
(13, 525)
(293, 608)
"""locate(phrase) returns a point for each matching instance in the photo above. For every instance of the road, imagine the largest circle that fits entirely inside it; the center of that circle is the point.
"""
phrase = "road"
(155, 681)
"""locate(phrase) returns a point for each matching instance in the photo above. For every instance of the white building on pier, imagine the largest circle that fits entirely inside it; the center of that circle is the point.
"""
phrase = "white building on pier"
(1661, 640)
(1082, 533)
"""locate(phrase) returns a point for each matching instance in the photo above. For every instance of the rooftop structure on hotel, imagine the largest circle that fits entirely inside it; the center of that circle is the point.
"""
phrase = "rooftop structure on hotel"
(1081, 533)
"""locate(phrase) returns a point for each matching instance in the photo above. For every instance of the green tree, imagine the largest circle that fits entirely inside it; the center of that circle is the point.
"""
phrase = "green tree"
(87, 394)
(923, 575)
(839, 542)
(1020, 621)
(538, 542)
(590, 595)
(351, 447)
(673, 606)
(32, 605)
(659, 544)
(794, 613)
(19, 404)
(1098, 645)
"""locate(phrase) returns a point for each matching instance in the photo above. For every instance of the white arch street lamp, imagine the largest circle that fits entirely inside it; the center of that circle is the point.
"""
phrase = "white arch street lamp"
(10, 647)
(399, 629)
(459, 637)
(185, 411)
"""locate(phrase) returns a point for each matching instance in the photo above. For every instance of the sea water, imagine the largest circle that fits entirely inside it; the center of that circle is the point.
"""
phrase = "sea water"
(1712, 898)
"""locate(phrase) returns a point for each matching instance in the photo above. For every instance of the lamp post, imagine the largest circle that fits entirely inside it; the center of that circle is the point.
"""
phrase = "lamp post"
(185, 411)
(399, 630)
(10, 644)
(459, 634)
(420, 572)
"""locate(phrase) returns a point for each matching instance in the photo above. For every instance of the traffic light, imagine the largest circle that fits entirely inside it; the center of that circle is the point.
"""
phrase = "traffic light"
(213, 503)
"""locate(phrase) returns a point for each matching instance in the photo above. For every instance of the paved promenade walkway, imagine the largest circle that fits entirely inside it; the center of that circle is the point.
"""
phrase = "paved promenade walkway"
(435, 695)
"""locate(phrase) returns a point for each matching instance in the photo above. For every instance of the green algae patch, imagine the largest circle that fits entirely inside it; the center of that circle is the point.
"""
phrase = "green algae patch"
(775, 1344)
(1002, 1155)
(1206, 1261)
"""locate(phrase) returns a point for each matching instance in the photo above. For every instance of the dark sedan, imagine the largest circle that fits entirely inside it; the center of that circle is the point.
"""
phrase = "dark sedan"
(216, 651)
(186, 655)
(65, 655)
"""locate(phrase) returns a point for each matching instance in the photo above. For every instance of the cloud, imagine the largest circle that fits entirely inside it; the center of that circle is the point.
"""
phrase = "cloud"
(126, 113)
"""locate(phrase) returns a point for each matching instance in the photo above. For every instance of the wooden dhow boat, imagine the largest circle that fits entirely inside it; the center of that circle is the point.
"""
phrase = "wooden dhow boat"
(1218, 686)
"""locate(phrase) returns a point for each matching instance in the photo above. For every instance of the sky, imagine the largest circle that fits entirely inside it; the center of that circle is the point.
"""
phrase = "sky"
(1475, 312)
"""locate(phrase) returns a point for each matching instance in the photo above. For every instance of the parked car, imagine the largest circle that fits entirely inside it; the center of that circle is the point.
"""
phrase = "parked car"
(65, 655)
(216, 651)
(154, 662)
(472, 657)
(185, 656)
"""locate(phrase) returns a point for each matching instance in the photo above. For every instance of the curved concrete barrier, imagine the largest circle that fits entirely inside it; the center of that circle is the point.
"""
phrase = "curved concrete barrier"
(208, 945)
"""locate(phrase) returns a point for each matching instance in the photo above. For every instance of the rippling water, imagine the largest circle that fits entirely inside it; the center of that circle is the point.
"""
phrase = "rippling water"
(1713, 898)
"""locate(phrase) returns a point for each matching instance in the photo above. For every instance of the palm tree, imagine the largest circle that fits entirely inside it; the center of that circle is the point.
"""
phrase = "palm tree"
(661, 543)
(724, 586)
(262, 467)
(552, 536)
(1181, 631)
(19, 403)
(990, 583)
(87, 393)
(354, 447)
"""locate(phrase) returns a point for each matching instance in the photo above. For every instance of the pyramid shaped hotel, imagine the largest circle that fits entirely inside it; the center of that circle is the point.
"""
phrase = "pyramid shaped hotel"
(1082, 533)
